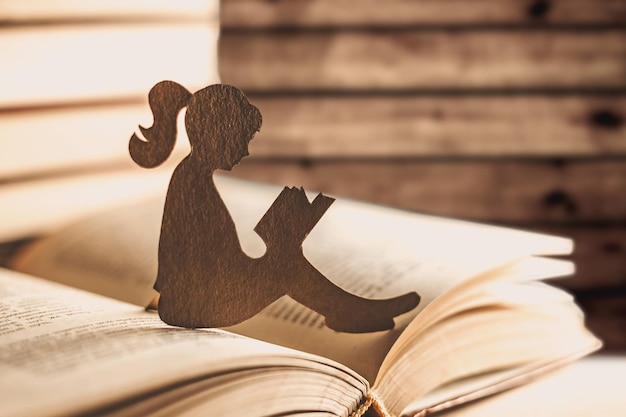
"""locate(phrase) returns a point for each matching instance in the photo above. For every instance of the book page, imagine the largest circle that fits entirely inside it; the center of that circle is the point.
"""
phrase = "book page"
(114, 255)
(500, 286)
(593, 386)
(369, 250)
(482, 341)
(64, 351)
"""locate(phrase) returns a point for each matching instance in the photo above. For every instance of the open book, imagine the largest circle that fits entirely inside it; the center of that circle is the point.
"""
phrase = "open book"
(485, 322)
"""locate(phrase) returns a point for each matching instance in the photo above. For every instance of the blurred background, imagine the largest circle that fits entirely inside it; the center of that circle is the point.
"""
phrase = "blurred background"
(510, 112)
(501, 111)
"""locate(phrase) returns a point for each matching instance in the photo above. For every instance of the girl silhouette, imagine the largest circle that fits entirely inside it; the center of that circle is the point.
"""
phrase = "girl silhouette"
(204, 277)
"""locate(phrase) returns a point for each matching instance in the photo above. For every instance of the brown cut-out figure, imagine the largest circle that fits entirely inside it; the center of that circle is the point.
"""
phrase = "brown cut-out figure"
(204, 277)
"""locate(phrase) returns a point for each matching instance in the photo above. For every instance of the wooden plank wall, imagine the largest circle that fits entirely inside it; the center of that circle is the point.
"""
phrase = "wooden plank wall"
(504, 111)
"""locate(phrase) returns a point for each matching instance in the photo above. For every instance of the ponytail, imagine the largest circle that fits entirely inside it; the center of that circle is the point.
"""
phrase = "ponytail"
(166, 100)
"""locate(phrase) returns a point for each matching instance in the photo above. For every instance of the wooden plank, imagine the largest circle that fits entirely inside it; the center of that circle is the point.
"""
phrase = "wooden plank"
(606, 317)
(502, 191)
(424, 60)
(347, 13)
(440, 126)
(599, 255)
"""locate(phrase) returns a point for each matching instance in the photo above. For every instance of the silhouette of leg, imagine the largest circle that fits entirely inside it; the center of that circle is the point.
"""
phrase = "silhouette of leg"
(202, 303)
(344, 311)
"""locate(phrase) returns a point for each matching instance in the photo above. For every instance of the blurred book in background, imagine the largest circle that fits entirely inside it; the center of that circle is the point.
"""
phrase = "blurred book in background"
(75, 76)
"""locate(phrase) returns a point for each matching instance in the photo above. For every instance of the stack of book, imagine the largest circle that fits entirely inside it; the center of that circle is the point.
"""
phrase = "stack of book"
(74, 86)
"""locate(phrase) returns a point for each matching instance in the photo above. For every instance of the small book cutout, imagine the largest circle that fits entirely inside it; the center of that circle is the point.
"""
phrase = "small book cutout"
(204, 278)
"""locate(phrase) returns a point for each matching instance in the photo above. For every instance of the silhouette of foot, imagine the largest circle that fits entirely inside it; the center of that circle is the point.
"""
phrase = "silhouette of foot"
(375, 315)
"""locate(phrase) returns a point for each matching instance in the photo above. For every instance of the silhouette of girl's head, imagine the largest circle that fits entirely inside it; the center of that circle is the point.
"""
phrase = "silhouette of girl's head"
(220, 123)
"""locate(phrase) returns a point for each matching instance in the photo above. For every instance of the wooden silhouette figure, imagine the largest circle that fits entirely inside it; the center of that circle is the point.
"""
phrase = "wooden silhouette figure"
(204, 277)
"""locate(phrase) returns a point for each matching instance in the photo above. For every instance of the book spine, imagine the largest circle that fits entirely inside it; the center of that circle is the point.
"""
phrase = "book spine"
(363, 408)
(377, 405)
(372, 406)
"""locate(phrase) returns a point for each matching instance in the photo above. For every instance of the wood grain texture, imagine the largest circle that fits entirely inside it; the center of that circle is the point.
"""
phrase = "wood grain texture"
(606, 317)
(440, 126)
(424, 60)
(348, 13)
(503, 191)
